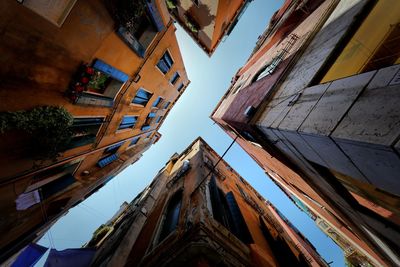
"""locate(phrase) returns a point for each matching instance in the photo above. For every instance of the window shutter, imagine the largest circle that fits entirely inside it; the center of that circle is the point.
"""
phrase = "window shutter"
(57, 185)
(110, 70)
(216, 202)
(155, 16)
(241, 230)
(107, 160)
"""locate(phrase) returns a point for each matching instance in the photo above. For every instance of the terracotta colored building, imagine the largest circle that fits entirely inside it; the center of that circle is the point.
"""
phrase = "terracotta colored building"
(316, 106)
(207, 21)
(117, 73)
(199, 212)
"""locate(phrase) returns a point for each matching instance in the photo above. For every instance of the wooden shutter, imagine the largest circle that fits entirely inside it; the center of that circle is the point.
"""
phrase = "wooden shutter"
(240, 226)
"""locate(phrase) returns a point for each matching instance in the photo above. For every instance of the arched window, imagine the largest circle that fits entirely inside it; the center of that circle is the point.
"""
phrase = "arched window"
(171, 216)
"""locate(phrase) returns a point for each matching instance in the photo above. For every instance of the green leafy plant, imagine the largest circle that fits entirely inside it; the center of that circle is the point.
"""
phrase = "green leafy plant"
(191, 24)
(129, 13)
(98, 235)
(48, 126)
(171, 4)
(98, 81)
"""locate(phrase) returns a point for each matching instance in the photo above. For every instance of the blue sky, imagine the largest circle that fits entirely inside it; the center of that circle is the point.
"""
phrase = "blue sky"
(189, 118)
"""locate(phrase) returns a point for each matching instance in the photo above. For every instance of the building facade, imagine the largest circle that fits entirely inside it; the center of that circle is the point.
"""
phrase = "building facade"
(199, 212)
(316, 106)
(207, 21)
(115, 72)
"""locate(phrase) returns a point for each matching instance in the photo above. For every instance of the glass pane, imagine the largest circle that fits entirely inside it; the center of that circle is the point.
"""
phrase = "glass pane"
(157, 101)
(168, 59)
(162, 66)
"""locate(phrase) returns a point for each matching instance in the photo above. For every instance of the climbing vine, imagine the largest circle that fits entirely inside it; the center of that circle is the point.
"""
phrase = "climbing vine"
(47, 126)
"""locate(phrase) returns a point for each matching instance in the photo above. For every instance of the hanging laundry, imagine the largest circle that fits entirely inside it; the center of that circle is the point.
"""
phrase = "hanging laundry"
(26, 200)
(79, 257)
(30, 256)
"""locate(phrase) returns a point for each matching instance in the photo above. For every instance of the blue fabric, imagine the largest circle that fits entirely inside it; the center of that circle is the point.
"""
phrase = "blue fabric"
(110, 70)
(75, 257)
(30, 256)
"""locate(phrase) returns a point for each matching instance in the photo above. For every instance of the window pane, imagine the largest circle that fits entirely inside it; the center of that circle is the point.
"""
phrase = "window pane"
(167, 105)
(143, 94)
(180, 87)
(171, 216)
(174, 78)
(151, 115)
(168, 59)
(162, 66)
(157, 101)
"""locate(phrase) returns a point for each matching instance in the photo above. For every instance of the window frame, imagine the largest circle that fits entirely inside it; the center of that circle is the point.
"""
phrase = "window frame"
(136, 96)
(167, 51)
(160, 100)
(180, 87)
(175, 78)
(125, 128)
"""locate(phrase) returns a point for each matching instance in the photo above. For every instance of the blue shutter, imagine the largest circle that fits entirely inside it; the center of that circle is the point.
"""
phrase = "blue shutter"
(134, 141)
(130, 40)
(145, 127)
(157, 101)
(110, 70)
(241, 230)
(155, 16)
(143, 94)
(57, 185)
(107, 160)
(115, 146)
(151, 115)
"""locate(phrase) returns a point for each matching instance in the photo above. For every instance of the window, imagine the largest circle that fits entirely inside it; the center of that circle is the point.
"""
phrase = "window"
(107, 160)
(142, 97)
(180, 87)
(134, 141)
(128, 122)
(157, 102)
(110, 155)
(165, 63)
(114, 148)
(149, 120)
(140, 26)
(159, 119)
(227, 212)
(97, 84)
(84, 131)
(174, 78)
(268, 68)
(171, 216)
(166, 105)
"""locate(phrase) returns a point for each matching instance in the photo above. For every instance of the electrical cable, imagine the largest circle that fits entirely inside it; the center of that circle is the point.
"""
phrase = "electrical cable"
(215, 165)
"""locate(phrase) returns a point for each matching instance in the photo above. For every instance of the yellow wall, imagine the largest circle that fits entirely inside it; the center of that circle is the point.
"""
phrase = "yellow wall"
(363, 44)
